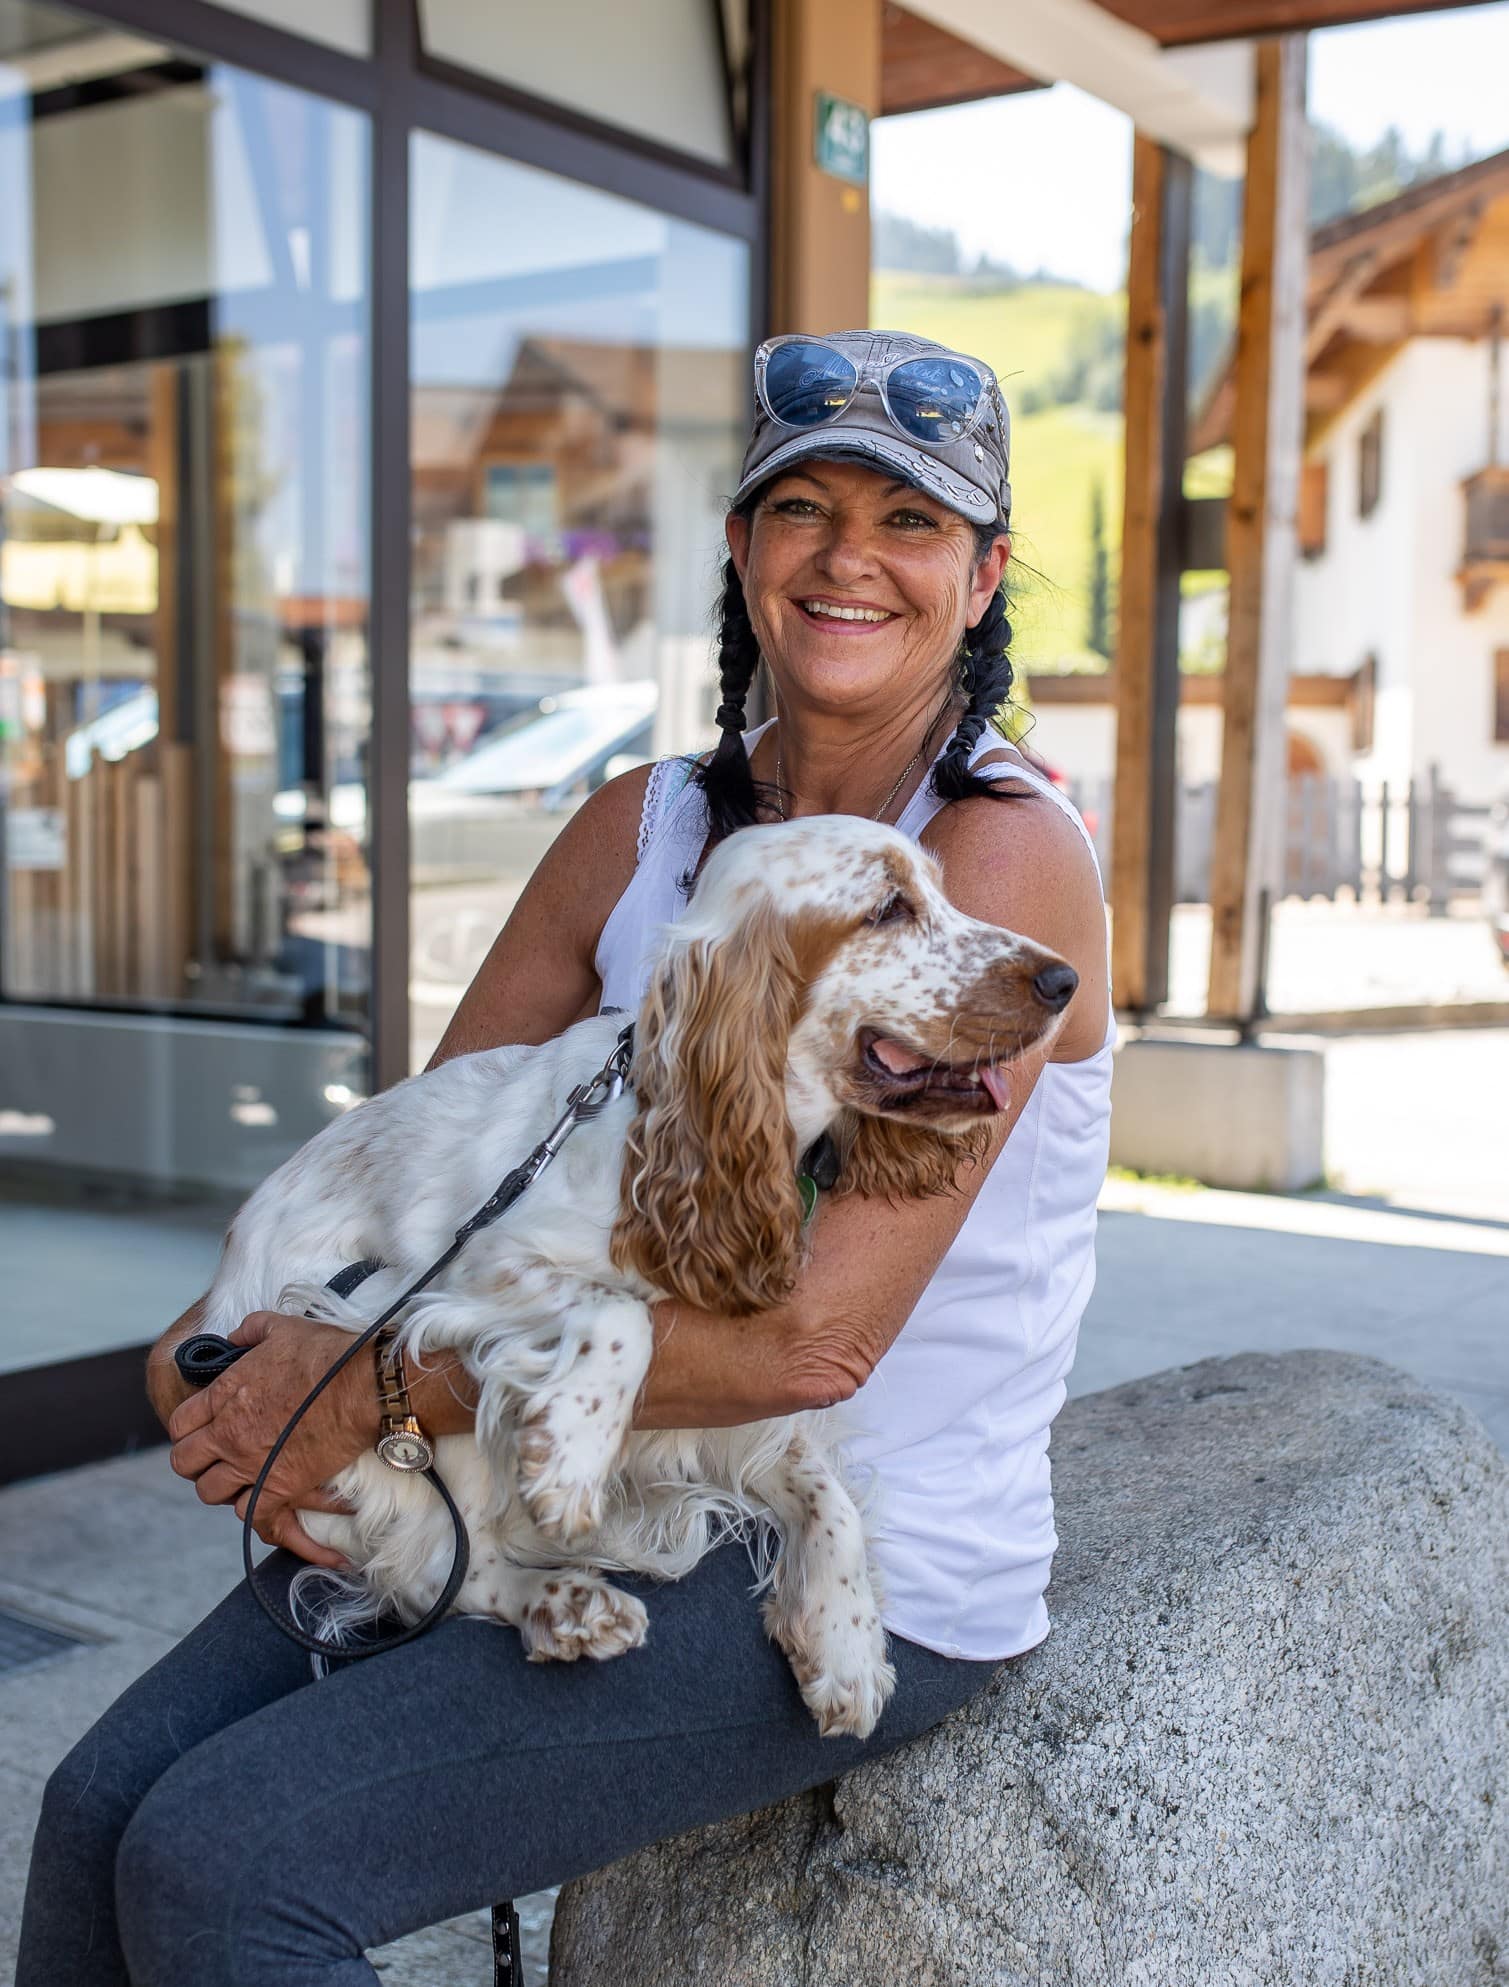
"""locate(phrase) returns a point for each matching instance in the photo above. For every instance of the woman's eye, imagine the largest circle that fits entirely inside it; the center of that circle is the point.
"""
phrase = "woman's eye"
(914, 521)
(895, 906)
(795, 507)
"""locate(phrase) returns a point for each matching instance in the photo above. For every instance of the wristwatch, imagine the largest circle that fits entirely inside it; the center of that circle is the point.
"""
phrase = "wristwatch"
(401, 1442)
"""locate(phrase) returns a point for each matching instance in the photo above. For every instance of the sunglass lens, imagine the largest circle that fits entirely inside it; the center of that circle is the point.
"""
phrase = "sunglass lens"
(933, 399)
(807, 383)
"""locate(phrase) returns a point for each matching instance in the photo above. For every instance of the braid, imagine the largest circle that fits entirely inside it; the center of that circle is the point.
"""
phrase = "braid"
(987, 675)
(733, 798)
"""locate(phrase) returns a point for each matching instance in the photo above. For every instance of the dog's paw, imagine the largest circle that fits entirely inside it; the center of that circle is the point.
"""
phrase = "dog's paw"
(568, 1443)
(839, 1659)
(579, 1614)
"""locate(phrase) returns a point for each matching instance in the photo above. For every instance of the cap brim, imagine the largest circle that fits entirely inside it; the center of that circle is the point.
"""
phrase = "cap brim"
(879, 452)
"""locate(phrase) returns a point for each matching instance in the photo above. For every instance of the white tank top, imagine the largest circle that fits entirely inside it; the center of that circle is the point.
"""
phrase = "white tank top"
(952, 1426)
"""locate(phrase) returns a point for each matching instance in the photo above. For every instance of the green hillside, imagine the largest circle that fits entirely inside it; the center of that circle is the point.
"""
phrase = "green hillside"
(1058, 452)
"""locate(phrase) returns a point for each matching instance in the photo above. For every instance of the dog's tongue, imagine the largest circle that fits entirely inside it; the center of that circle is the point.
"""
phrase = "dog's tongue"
(994, 1080)
(898, 1059)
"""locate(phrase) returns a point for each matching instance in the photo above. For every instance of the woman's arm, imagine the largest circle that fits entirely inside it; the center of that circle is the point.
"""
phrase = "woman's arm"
(1021, 864)
(166, 1387)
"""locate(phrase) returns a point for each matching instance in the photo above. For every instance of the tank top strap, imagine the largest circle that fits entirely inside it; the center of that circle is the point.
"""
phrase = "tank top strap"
(924, 803)
(670, 795)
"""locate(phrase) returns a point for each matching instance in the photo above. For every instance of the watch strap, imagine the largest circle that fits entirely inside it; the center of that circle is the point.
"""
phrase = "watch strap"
(392, 1380)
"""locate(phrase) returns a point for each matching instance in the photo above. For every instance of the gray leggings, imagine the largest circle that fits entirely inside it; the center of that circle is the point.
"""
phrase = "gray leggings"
(229, 1823)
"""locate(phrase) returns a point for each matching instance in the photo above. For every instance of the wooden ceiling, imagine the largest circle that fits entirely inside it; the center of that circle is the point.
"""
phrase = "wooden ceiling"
(1175, 23)
(1432, 262)
(923, 66)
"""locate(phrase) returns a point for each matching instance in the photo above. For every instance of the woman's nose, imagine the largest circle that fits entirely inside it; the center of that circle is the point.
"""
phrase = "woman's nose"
(846, 552)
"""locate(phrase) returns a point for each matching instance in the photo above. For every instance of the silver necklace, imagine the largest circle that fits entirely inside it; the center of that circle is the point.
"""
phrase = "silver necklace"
(780, 772)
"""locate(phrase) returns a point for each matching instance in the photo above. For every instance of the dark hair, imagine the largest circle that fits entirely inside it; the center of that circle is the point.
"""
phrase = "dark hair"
(735, 799)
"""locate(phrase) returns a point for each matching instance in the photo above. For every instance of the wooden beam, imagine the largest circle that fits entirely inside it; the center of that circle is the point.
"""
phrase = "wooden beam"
(1330, 315)
(820, 227)
(923, 66)
(1261, 534)
(1147, 642)
(1380, 320)
(1177, 22)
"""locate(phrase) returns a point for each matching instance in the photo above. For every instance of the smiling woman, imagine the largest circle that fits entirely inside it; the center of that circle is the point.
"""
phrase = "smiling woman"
(935, 1309)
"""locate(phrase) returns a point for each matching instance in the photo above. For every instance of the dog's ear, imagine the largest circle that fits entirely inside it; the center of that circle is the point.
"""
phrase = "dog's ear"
(882, 1156)
(710, 1210)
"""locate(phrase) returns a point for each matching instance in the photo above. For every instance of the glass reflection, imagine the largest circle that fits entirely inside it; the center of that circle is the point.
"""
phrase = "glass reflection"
(182, 546)
(579, 390)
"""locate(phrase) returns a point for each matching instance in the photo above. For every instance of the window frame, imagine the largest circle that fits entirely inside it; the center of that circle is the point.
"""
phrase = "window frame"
(403, 89)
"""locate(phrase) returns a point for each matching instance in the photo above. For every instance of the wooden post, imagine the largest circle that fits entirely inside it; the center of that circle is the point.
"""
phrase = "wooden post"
(820, 224)
(1147, 639)
(1261, 526)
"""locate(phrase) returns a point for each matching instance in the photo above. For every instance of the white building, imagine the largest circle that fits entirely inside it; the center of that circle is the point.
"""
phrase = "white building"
(1403, 588)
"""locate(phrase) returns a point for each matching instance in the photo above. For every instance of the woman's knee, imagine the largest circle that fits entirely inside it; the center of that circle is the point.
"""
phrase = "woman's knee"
(91, 1794)
(170, 1887)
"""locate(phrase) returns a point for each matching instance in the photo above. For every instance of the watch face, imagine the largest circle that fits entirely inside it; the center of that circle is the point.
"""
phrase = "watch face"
(405, 1451)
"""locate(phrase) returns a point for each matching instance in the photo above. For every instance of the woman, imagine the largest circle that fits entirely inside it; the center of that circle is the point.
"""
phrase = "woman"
(230, 1821)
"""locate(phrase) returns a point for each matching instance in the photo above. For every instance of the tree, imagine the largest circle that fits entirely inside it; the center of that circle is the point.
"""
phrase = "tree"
(902, 244)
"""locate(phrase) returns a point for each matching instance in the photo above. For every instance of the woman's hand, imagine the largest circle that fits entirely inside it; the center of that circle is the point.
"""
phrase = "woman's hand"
(222, 1435)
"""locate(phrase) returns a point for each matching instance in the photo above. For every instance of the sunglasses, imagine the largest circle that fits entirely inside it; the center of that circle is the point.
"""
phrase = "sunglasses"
(805, 382)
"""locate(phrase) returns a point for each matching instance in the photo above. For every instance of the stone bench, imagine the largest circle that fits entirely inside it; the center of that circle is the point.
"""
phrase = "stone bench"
(1264, 1745)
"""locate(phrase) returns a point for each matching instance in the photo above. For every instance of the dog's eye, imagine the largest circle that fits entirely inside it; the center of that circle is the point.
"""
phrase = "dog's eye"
(895, 906)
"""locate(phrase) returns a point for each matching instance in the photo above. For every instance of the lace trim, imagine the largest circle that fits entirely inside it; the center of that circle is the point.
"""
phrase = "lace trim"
(649, 813)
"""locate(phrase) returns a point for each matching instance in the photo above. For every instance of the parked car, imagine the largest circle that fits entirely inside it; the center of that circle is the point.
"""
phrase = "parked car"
(1496, 876)
(562, 747)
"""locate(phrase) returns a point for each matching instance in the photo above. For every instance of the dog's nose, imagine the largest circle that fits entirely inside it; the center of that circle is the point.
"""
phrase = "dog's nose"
(1054, 984)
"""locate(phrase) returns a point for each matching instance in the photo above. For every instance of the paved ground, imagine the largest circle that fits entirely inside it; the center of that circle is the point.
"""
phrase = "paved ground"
(1325, 956)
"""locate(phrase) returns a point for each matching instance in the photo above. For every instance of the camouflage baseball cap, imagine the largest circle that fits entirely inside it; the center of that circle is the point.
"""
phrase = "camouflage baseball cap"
(934, 417)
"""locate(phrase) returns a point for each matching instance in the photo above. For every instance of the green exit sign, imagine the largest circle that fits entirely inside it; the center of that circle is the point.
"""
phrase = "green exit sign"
(841, 141)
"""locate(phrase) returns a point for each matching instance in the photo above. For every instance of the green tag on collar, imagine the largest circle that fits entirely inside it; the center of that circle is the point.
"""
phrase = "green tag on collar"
(806, 1186)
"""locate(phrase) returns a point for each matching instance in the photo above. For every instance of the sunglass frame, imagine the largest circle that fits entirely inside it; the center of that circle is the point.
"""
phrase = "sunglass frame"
(879, 377)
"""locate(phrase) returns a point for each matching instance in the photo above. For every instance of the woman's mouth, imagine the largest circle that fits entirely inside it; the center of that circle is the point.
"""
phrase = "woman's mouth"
(846, 617)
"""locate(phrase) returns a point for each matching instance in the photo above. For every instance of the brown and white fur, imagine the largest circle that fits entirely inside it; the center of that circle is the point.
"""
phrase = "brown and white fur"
(819, 980)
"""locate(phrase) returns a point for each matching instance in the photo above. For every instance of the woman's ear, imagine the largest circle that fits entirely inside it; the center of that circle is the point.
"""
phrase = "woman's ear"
(709, 1209)
(987, 576)
(882, 1156)
(736, 531)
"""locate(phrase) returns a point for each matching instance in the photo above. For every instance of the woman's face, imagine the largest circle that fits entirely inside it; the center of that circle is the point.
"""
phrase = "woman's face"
(859, 587)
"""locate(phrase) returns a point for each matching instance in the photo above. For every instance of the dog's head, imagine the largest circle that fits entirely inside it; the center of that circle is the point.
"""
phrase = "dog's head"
(820, 979)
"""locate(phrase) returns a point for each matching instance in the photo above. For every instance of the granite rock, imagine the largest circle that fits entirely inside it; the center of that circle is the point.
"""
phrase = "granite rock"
(1263, 1745)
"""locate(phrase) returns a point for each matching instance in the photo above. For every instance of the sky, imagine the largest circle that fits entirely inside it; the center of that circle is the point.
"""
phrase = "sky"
(1043, 180)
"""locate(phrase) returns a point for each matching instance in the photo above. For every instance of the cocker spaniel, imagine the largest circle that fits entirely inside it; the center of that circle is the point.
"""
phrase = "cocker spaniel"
(820, 981)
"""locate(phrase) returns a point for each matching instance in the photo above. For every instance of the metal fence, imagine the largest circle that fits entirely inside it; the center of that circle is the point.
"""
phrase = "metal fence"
(1402, 841)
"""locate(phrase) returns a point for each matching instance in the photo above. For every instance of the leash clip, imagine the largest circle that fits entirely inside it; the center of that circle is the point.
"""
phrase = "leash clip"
(592, 1098)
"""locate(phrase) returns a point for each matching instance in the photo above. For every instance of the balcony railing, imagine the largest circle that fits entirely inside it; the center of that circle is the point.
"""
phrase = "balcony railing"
(1485, 552)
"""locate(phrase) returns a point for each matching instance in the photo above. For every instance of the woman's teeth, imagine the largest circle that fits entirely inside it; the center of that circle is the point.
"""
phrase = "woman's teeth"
(845, 613)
